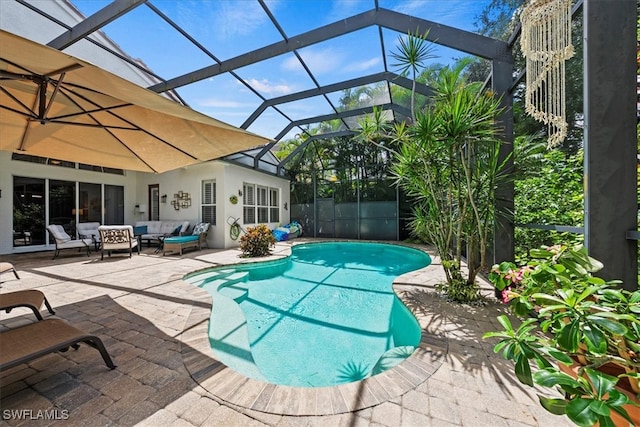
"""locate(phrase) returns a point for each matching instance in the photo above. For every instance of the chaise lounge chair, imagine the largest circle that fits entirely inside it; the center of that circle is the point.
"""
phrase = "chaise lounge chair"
(30, 298)
(197, 238)
(7, 267)
(64, 241)
(117, 238)
(25, 343)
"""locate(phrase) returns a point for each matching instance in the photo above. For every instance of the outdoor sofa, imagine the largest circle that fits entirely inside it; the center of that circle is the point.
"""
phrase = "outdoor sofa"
(156, 230)
(196, 239)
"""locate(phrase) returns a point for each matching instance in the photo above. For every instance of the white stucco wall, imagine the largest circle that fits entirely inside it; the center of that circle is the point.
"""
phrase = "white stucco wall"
(229, 179)
(10, 168)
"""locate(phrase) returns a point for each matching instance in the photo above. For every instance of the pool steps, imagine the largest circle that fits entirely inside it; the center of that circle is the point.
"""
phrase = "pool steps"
(228, 322)
(223, 282)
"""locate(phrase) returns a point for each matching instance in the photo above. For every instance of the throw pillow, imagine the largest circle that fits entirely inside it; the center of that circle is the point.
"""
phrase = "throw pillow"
(140, 230)
(176, 231)
(200, 228)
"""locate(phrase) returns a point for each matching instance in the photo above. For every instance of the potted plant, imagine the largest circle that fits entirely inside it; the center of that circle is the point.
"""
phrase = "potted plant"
(582, 332)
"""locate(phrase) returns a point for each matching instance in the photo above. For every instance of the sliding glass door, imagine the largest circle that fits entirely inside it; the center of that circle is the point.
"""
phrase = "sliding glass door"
(38, 202)
(114, 205)
(62, 205)
(28, 211)
(90, 203)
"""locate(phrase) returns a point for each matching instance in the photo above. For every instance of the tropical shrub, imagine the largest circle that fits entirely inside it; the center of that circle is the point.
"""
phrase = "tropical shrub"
(257, 241)
(447, 161)
(571, 318)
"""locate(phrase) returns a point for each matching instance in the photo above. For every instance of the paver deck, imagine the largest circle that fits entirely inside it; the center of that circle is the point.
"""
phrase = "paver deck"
(154, 326)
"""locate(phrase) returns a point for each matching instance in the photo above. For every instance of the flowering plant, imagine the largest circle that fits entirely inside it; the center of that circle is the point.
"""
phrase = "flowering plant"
(549, 268)
(572, 316)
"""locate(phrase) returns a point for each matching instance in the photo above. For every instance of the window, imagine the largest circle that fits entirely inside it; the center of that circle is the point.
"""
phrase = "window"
(261, 204)
(63, 163)
(274, 206)
(249, 203)
(208, 204)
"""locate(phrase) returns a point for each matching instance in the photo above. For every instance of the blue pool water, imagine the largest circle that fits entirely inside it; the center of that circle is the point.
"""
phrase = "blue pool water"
(326, 315)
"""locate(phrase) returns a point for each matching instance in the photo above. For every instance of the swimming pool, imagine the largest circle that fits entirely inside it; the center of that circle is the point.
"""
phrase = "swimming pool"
(324, 316)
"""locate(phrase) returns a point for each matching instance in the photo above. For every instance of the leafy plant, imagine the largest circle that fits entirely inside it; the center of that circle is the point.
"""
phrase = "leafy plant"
(571, 316)
(591, 397)
(413, 52)
(447, 162)
(257, 241)
(548, 190)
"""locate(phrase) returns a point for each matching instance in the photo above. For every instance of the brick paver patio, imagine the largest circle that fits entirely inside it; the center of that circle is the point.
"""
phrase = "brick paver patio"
(153, 325)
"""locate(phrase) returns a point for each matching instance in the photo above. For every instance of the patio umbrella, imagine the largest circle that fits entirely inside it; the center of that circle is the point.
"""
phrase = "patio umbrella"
(55, 105)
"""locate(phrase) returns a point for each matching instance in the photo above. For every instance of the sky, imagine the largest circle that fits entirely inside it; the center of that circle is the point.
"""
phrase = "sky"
(228, 28)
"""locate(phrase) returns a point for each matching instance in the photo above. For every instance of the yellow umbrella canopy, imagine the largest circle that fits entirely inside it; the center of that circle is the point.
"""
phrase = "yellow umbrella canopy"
(55, 105)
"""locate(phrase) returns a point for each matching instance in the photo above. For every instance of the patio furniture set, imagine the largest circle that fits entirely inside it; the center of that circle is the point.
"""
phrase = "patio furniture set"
(170, 236)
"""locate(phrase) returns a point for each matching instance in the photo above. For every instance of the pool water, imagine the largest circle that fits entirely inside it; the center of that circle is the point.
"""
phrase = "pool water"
(324, 316)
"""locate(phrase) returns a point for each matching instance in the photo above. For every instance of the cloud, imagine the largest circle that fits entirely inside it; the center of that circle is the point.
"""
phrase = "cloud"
(363, 65)
(265, 86)
(445, 12)
(342, 8)
(319, 61)
(412, 6)
(239, 18)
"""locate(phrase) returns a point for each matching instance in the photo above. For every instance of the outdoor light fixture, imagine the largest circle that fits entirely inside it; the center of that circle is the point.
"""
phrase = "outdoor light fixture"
(240, 193)
(163, 198)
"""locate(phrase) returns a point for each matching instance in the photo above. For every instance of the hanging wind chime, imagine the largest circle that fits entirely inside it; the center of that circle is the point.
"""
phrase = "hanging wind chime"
(546, 44)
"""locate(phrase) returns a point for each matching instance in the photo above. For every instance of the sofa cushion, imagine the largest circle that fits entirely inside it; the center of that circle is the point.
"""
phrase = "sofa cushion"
(153, 227)
(181, 239)
(168, 227)
(88, 230)
(58, 233)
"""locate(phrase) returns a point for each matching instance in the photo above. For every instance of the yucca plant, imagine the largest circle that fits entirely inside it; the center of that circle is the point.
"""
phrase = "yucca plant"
(447, 160)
